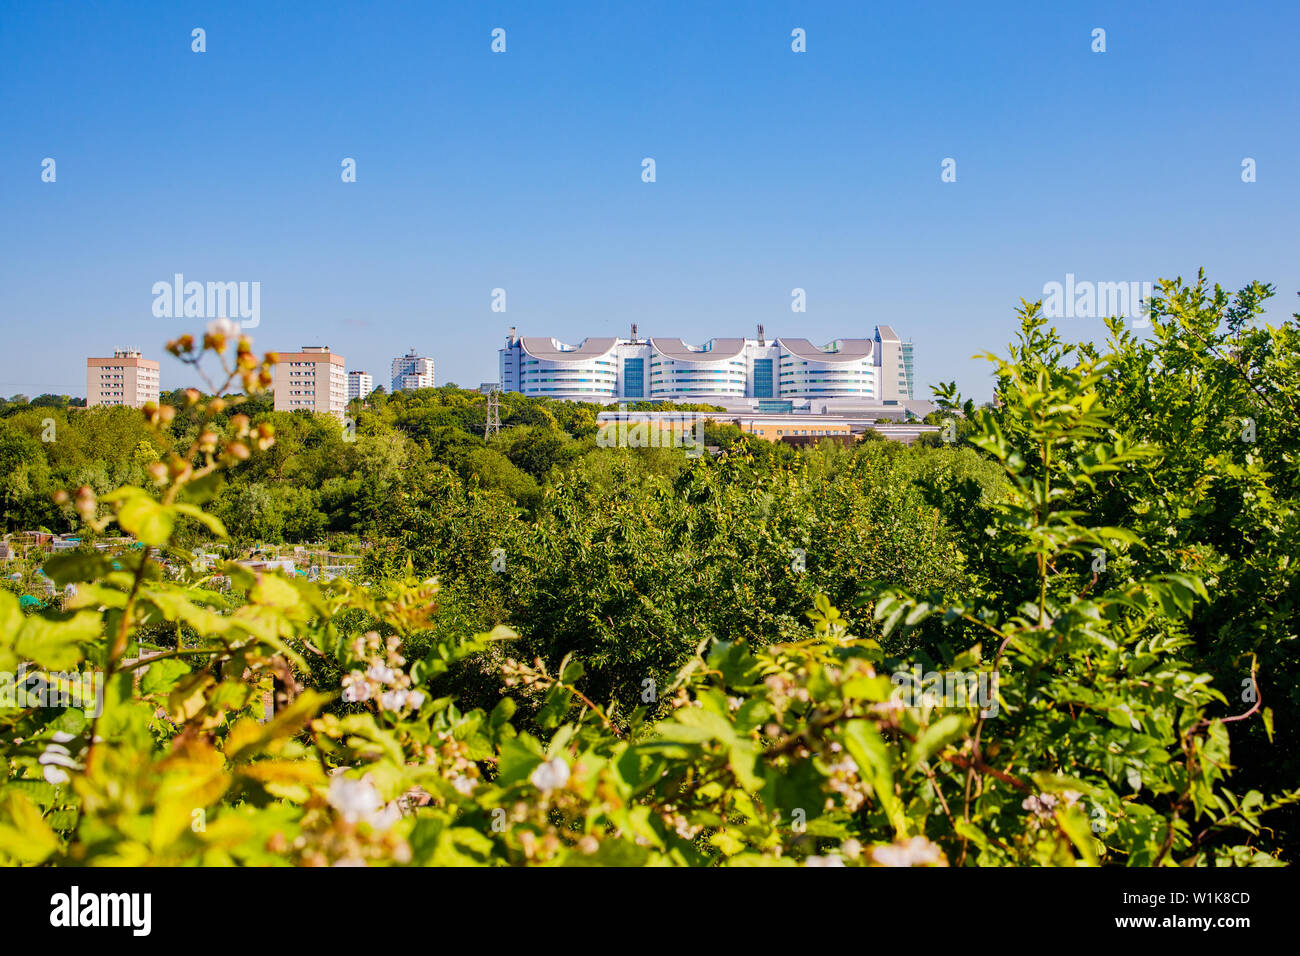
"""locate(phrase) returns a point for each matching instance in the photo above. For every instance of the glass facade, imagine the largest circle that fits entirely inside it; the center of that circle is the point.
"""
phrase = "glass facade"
(634, 378)
(762, 378)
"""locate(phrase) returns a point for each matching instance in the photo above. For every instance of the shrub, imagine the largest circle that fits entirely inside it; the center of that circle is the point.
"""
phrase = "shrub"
(1071, 724)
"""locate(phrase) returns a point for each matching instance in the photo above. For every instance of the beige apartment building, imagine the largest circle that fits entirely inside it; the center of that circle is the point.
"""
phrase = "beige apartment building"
(128, 378)
(313, 379)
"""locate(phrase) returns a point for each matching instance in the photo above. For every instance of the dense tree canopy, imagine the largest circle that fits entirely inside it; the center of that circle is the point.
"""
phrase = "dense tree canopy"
(641, 656)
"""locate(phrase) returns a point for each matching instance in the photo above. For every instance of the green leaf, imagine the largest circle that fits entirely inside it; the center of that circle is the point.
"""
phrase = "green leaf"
(711, 724)
(146, 520)
(211, 522)
(934, 737)
(160, 677)
(55, 642)
(871, 754)
(971, 832)
(571, 671)
(26, 836)
(74, 567)
(742, 758)
(554, 707)
(1075, 826)
(502, 712)
(518, 758)
(202, 490)
(11, 621)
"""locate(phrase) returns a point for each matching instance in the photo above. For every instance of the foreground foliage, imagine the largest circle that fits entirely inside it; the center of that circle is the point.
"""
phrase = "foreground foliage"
(1075, 720)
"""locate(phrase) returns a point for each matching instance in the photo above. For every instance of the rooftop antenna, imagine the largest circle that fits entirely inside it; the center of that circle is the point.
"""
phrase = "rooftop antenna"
(633, 333)
(761, 340)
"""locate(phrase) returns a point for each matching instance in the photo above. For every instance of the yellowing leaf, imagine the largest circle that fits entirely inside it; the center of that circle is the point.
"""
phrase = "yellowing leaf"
(189, 698)
(289, 779)
(273, 590)
(55, 643)
(27, 837)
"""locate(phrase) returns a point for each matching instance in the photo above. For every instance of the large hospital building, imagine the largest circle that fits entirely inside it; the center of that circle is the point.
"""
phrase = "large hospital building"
(783, 374)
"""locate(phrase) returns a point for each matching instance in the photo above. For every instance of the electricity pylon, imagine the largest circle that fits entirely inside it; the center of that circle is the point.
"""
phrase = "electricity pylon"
(493, 426)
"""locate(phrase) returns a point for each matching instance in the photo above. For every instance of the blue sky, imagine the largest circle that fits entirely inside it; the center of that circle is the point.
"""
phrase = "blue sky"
(522, 170)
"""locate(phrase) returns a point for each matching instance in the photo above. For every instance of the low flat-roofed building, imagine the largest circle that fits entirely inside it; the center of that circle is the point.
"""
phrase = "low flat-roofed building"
(808, 441)
(779, 427)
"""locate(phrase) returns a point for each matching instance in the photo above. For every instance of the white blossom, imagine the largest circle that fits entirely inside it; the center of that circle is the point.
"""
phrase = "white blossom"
(382, 673)
(551, 775)
(355, 800)
(1041, 805)
(223, 327)
(386, 817)
(355, 687)
(917, 851)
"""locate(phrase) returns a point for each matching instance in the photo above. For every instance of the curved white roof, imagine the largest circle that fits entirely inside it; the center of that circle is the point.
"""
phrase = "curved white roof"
(717, 350)
(553, 350)
(850, 350)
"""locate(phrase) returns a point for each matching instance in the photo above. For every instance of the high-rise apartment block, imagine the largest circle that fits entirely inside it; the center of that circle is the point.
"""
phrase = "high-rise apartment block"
(128, 378)
(766, 375)
(360, 385)
(411, 371)
(313, 379)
